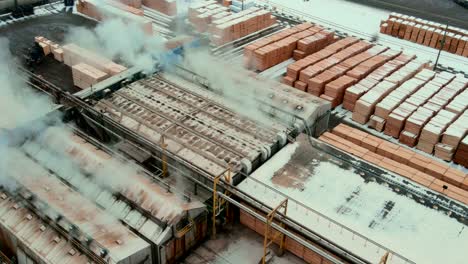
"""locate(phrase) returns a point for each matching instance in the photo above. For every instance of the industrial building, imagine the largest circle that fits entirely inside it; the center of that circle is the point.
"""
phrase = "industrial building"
(219, 118)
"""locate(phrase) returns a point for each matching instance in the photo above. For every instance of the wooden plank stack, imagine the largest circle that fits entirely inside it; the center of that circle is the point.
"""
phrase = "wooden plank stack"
(202, 14)
(49, 47)
(168, 7)
(74, 55)
(403, 161)
(111, 10)
(224, 26)
(432, 131)
(297, 41)
(461, 156)
(133, 3)
(85, 75)
(426, 33)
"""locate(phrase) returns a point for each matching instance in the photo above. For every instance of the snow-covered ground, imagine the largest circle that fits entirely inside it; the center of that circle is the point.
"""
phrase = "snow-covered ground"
(240, 245)
(412, 230)
(363, 21)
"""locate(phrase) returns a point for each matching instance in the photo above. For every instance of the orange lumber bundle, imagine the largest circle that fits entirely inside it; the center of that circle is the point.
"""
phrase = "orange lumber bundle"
(112, 10)
(128, 8)
(302, 39)
(74, 55)
(85, 75)
(405, 162)
(461, 156)
(201, 15)
(168, 7)
(426, 33)
(132, 3)
(49, 47)
(235, 26)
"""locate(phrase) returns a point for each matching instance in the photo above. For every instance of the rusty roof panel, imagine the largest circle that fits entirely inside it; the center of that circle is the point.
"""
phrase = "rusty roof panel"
(197, 129)
(103, 228)
(40, 239)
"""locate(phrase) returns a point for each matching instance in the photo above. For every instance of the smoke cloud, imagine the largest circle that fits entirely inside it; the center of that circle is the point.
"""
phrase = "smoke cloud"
(120, 41)
(23, 133)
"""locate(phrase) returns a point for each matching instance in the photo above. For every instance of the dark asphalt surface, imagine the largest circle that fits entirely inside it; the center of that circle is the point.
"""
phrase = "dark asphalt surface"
(442, 11)
(54, 27)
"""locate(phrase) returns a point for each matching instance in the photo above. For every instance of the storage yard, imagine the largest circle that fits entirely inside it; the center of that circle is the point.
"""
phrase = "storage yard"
(205, 131)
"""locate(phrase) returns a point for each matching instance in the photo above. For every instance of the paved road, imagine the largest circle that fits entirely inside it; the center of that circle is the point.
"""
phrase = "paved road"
(441, 11)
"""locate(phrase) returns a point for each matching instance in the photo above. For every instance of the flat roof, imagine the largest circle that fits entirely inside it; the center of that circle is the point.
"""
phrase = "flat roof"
(109, 233)
(124, 177)
(337, 190)
(196, 128)
(40, 238)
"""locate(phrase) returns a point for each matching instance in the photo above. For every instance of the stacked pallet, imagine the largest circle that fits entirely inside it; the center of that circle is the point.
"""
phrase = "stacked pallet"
(461, 156)
(127, 8)
(202, 14)
(74, 55)
(430, 99)
(356, 91)
(400, 94)
(111, 10)
(294, 69)
(133, 3)
(297, 41)
(452, 137)
(366, 104)
(432, 131)
(49, 47)
(425, 171)
(168, 7)
(426, 33)
(85, 75)
(238, 25)
(336, 61)
(225, 26)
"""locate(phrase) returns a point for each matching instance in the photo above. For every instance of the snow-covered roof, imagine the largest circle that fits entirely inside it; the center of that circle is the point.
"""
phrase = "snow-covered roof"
(335, 190)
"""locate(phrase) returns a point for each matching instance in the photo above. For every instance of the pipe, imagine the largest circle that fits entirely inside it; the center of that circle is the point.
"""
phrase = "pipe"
(291, 235)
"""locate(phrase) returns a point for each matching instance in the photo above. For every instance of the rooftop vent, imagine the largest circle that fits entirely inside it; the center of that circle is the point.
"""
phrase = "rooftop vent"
(28, 216)
(72, 252)
(3, 196)
(119, 242)
(56, 239)
(15, 206)
(42, 228)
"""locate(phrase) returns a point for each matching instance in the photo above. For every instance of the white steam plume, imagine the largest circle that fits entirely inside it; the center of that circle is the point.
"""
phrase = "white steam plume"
(119, 40)
(20, 106)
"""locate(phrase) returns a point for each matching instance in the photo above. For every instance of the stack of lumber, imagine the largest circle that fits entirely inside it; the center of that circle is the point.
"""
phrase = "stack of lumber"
(49, 47)
(168, 7)
(367, 103)
(106, 10)
(426, 33)
(452, 137)
(224, 26)
(85, 75)
(400, 160)
(338, 73)
(297, 42)
(461, 156)
(74, 55)
(202, 14)
(433, 130)
(132, 3)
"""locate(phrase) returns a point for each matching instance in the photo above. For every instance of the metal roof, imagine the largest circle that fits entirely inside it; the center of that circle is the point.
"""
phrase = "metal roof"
(195, 128)
(33, 233)
(77, 210)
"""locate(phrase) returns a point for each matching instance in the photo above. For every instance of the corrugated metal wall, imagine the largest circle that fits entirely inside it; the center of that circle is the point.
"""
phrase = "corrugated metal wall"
(292, 246)
(176, 248)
